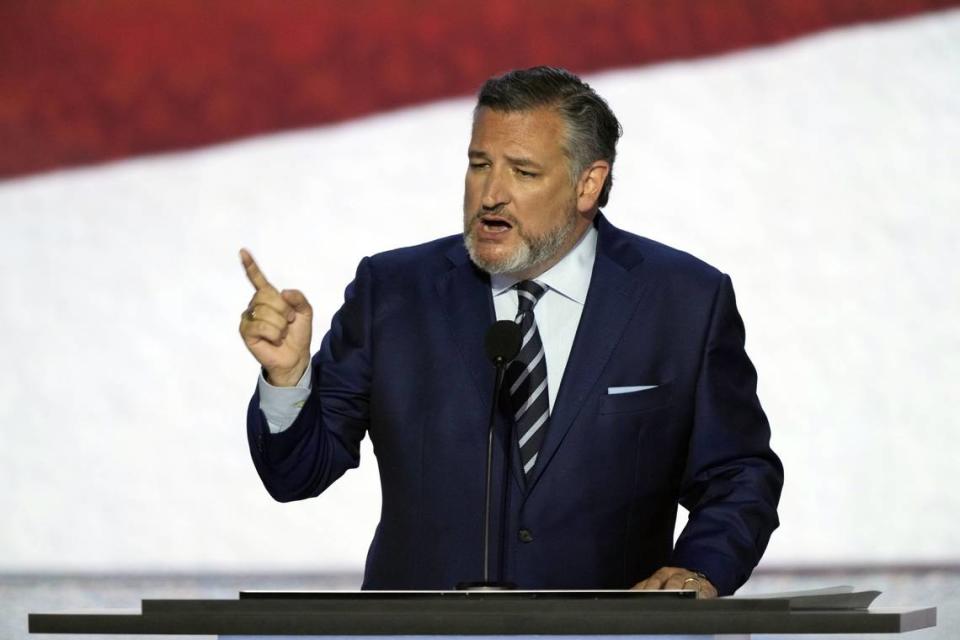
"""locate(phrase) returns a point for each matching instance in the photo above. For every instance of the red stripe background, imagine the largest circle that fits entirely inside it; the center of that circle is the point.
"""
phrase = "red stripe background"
(83, 82)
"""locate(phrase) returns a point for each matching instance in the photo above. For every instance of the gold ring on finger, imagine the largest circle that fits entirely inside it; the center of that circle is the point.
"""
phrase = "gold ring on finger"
(251, 313)
(691, 580)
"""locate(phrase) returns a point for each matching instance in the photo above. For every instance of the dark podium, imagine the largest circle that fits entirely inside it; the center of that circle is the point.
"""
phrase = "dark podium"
(513, 613)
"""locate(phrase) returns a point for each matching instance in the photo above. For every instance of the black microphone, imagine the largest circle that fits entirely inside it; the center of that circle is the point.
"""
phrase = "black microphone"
(503, 344)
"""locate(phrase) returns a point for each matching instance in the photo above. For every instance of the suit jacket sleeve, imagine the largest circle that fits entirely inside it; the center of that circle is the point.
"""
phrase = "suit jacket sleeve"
(324, 440)
(733, 479)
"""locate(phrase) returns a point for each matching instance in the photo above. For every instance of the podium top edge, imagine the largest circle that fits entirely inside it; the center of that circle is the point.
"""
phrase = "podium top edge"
(508, 594)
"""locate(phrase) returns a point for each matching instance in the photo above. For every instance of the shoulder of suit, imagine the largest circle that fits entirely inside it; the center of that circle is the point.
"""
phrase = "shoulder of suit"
(653, 257)
(429, 257)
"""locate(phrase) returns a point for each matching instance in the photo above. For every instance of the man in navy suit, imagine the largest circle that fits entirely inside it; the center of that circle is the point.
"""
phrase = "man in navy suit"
(636, 394)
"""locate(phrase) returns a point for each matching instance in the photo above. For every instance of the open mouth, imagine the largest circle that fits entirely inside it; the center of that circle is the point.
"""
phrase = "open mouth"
(495, 224)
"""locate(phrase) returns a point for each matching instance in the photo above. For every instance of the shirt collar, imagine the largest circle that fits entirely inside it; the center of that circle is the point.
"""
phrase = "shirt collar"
(570, 277)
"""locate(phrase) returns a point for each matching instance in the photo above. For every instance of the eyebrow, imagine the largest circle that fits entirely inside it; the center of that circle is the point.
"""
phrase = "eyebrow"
(514, 160)
(523, 162)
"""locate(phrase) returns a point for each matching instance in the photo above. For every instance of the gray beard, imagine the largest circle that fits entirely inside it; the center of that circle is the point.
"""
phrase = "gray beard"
(533, 250)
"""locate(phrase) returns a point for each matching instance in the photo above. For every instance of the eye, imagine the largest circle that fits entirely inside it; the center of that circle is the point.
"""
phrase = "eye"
(476, 166)
(526, 174)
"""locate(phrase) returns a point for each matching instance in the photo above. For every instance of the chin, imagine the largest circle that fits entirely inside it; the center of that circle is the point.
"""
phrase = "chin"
(494, 256)
(491, 263)
(500, 260)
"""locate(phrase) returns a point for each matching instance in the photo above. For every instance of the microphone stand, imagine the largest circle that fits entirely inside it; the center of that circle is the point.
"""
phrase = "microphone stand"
(501, 357)
(501, 368)
(508, 444)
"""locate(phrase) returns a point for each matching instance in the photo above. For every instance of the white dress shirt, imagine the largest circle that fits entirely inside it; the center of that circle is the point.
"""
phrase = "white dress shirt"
(557, 313)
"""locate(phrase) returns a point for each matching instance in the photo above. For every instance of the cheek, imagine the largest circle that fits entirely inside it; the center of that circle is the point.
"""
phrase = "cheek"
(541, 210)
(469, 194)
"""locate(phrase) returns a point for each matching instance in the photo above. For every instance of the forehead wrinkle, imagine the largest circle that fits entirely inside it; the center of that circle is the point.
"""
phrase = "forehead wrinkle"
(531, 138)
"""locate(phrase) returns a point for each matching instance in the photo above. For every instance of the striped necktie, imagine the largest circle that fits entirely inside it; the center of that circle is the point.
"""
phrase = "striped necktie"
(526, 378)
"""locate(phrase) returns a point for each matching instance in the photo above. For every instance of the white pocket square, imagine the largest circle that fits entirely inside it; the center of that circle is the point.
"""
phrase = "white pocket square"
(614, 391)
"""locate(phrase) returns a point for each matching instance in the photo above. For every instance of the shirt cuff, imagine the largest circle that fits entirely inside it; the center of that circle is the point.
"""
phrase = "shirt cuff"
(282, 405)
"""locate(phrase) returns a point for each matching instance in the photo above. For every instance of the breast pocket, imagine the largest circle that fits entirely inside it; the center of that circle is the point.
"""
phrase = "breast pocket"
(636, 401)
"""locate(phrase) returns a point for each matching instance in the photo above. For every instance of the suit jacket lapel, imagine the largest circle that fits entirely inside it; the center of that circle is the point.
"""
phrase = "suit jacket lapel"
(609, 305)
(466, 299)
(464, 296)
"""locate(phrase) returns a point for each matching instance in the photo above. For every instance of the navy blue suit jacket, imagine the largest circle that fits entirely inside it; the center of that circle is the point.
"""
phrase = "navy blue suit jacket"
(404, 362)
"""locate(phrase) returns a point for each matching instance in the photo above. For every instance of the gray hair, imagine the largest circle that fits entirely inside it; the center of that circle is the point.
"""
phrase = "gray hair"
(592, 129)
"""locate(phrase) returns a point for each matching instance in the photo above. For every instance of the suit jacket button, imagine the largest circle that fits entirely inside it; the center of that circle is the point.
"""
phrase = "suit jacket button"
(525, 535)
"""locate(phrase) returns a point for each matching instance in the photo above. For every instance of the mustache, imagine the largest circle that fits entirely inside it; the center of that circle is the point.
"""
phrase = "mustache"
(499, 212)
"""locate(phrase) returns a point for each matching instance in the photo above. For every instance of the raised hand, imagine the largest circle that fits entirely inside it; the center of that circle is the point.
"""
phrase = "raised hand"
(276, 327)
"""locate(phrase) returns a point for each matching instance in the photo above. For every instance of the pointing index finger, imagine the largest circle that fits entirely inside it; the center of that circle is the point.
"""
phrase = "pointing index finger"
(254, 275)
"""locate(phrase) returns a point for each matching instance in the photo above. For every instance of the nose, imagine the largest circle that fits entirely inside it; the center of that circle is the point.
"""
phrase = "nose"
(495, 193)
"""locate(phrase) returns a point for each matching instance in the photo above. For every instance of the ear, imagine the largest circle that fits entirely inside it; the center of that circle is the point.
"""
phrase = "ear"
(589, 185)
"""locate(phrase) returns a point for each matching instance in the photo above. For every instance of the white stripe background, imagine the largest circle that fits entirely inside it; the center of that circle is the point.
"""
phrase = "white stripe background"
(821, 174)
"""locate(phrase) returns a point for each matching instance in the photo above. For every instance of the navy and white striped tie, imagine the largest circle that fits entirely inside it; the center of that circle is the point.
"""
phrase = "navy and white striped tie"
(526, 378)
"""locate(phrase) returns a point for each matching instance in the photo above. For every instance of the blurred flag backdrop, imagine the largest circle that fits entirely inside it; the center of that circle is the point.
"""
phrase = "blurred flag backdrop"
(809, 148)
